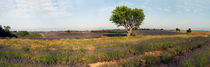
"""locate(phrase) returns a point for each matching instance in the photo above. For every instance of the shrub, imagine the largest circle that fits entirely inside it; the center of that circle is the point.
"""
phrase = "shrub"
(22, 33)
(177, 29)
(45, 58)
(25, 48)
(187, 63)
(165, 58)
(151, 61)
(189, 30)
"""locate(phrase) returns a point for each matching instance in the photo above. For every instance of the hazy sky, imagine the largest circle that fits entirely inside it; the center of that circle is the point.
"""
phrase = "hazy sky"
(95, 14)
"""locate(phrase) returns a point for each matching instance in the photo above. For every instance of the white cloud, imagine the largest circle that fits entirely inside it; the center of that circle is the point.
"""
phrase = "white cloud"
(43, 8)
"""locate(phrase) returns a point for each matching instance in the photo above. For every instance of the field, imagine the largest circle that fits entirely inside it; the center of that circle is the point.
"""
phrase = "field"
(93, 34)
(147, 49)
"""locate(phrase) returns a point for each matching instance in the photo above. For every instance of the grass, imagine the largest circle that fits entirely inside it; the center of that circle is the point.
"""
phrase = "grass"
(13, 55)
(150, 61)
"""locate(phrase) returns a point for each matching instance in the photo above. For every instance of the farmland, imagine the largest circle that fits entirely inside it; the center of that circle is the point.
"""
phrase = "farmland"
(146, 50)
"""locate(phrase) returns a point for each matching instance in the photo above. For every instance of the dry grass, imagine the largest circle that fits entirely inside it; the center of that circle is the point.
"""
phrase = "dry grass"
(88, 44)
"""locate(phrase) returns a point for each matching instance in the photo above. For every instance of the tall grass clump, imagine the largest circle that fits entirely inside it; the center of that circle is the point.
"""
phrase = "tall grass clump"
(44, 58)
(131, 63)
(150, 61)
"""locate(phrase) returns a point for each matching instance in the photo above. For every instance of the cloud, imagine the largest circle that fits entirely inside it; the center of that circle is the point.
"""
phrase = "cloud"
(43, 8)
(194, 6)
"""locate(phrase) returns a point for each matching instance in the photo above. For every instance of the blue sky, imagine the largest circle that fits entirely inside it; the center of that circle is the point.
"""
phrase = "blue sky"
(95, 14)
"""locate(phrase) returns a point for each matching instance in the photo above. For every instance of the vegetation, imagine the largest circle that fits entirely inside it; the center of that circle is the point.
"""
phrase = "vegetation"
(129, 51)
(189, 30)
(22, 33)
(108, 31)
(177, 29)
(129, 18)
(5, 31)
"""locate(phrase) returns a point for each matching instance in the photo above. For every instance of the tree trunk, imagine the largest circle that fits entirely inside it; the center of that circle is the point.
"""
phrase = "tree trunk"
(129, 32)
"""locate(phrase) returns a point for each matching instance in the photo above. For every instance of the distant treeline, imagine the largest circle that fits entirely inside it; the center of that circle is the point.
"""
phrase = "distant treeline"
(149, 29)
(5, 32)
(109, 30)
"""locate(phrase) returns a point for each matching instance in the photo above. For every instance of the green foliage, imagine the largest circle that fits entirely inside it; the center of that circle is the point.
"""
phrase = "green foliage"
(13, 55)
(26, 48)
(165, 58)
(189, 30)
(22, 33)
(131, 63)
(129, 18)
(1, 46)
(116, 54)
(151, 61)
(58, 58)
(187, 63)
(45, 58)
(177, 29)
(34, 35)
(203, 61)
(5, 32)
(90, 58)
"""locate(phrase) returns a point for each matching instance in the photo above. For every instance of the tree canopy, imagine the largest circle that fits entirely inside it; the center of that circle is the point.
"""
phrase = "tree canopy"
(129, 18)
(5, 32)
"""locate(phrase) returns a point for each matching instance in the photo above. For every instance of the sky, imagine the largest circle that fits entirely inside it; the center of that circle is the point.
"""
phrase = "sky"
(41, 15)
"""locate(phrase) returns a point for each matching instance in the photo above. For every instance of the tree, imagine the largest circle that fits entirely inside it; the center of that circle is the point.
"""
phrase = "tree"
(189, 30)
(129, 18)
(7, 28)
(177, 29)
(5, 32)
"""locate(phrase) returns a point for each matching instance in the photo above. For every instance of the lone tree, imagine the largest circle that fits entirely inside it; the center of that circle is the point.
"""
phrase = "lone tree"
(189, 30)
(129, 18)
(177, 29)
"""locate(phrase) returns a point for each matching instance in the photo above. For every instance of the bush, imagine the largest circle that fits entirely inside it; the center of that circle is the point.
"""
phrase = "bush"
(25, 48)
(5, 32)
(187, 63)
(177, 29)
(45, 58)
(189, 30)
(150, 61)
(165, 58)
(22, 33)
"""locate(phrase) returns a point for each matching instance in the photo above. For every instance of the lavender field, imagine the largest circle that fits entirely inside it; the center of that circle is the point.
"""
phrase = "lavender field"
(150, 50)
(79, 35)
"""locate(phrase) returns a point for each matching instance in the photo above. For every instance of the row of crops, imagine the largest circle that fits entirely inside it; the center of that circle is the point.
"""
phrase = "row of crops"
(130, 54)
